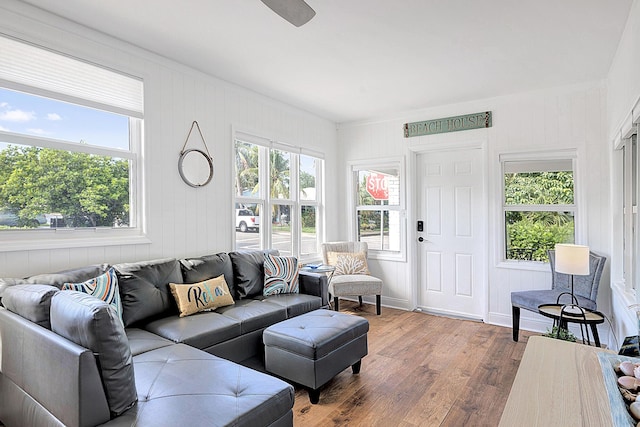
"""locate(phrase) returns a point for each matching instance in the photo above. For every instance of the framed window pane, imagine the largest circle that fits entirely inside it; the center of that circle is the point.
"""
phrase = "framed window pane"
(248, 226)
(247, 180)
(539, 188)
(280, 174)
(281, 236)
(379, 229)
(38, 116)
(378, 187)
(309, 240)
(308, 172)
(530, 234)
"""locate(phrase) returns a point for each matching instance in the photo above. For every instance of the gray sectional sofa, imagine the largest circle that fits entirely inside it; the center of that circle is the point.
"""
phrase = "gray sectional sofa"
(65, 359)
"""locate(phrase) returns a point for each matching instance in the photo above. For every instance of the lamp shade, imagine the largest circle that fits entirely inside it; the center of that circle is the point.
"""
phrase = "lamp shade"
(572, 259)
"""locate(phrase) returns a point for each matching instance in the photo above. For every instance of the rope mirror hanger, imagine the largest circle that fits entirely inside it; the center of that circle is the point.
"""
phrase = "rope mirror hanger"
(195, 166)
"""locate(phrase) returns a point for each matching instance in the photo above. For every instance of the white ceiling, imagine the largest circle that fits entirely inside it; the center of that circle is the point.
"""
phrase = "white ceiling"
(361, 59)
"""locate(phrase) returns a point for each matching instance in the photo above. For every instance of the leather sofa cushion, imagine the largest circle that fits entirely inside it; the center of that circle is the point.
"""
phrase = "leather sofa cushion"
(296, 304)
(206, 267)
(56, 279)
(248, 272)
(201, 330)
(254, 314)
(141, 341)
(94, 324)
(33, 302)
(180, 385)
(144, 287)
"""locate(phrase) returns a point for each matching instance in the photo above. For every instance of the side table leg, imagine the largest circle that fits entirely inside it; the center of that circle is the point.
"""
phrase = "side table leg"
(594, 331)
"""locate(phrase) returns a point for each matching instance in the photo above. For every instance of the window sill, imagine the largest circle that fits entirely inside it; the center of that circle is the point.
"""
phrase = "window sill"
(68, 238)
(524, 265)
(381, 256)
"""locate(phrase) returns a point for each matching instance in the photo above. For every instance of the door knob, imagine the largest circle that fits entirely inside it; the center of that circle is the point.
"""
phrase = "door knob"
(420, 239)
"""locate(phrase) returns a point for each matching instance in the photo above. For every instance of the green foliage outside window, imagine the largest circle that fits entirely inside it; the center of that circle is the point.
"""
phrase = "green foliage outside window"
(529, 233)
(87, 190)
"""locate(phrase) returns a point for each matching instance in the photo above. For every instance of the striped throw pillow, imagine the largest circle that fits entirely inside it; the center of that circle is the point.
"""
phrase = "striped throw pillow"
(104, 287)
(280, 275)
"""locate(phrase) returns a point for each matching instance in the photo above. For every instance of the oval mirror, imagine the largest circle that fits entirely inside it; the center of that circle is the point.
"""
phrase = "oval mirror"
(195, 167)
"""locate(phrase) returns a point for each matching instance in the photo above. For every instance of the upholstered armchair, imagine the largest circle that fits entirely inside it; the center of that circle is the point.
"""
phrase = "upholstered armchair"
(351, 277)
(585, 290)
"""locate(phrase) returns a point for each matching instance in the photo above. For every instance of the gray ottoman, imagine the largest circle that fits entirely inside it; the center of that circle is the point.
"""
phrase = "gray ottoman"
(312, 348)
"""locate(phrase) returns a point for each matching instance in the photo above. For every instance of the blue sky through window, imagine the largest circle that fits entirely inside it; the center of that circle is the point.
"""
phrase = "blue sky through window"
(38, 116)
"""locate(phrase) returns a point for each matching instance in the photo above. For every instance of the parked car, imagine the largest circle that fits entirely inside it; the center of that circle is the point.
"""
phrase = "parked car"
(247, 220)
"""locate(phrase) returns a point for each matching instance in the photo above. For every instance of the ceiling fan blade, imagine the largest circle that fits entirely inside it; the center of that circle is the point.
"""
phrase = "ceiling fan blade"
(298, 12)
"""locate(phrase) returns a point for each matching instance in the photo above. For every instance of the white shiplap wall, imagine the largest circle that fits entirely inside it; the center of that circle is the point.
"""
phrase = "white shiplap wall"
(623, 91)
(566, 117)
(182, 221)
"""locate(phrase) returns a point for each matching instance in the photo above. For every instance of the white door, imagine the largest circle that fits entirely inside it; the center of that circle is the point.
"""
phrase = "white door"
(452, 251)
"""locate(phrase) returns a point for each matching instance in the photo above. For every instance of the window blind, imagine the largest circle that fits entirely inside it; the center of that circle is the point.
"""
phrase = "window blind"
(40, 71)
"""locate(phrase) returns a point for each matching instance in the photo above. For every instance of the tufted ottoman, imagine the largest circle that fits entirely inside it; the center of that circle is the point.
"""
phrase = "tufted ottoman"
(312, 348)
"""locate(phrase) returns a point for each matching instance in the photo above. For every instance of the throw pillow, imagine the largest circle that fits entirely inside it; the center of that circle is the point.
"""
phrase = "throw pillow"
(104, 287)
(280, 275)
(196, 297)
(348, 262)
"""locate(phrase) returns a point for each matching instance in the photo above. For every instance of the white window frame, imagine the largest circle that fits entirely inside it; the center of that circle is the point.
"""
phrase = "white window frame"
(353, 167)
(577, 208)
(293, 201)
(47, 84)
(630, 160)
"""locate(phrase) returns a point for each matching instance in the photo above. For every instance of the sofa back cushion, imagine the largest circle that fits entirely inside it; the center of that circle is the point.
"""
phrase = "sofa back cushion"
(248, 272)
(33, 302)
(56, 279)
(144, 287)
(94, 324)
(206, 267)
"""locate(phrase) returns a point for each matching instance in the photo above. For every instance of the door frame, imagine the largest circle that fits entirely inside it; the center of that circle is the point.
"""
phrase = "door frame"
(439, 143)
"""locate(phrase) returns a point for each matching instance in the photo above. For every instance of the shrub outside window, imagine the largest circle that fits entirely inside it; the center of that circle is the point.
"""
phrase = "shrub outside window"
(539, 206)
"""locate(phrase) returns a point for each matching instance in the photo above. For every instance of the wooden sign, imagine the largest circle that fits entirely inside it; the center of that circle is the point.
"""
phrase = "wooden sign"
(448, 124)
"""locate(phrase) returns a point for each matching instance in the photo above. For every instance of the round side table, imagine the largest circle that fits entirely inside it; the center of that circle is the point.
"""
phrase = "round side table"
(590, 318)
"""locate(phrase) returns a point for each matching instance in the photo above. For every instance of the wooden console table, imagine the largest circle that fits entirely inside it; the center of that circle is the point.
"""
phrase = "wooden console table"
(558, 384)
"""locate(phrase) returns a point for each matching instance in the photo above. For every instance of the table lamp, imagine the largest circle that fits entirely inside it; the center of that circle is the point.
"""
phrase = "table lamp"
(572, 260)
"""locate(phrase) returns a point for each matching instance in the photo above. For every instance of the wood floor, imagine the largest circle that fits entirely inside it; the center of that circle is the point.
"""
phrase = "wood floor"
(421, 370)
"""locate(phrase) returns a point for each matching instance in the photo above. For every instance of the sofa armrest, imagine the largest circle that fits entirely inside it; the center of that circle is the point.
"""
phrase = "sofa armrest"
(315, 284)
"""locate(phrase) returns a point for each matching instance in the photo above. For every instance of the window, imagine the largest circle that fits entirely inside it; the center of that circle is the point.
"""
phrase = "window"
(279, 185)
(378, 203)
(70, 134)
(630, 261)
(539, 205)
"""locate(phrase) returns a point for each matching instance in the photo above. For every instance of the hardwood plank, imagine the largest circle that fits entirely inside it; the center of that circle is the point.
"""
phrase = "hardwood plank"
(421, 370)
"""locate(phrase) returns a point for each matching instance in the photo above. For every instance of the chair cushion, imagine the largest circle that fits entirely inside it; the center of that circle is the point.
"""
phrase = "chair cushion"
(141, 341)
(33, 302)
(530, 300)
(358, 284)
(94, 324)
(144, 287)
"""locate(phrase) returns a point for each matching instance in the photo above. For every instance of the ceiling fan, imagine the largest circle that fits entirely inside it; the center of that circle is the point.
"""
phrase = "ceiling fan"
(298, 12)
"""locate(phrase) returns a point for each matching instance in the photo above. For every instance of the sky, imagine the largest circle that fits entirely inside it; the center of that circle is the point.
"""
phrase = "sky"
(33, 115)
